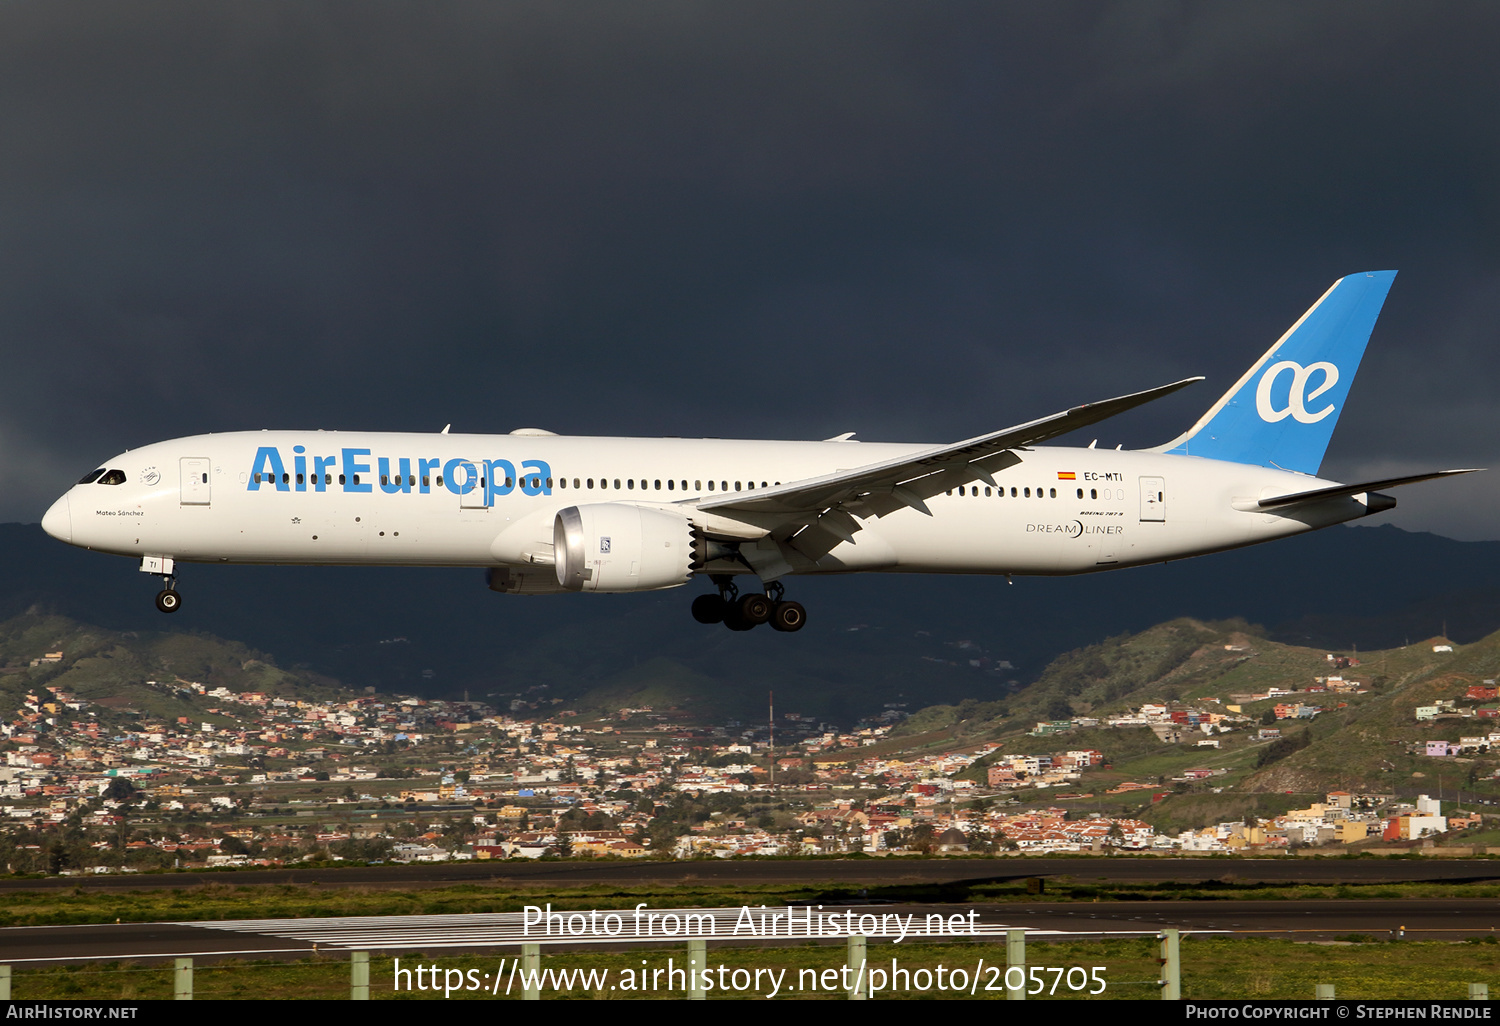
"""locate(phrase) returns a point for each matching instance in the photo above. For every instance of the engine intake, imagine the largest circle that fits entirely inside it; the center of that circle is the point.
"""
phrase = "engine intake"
(615, 547)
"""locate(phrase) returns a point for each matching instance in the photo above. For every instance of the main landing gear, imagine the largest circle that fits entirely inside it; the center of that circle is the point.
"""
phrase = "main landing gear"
(745, 612)
(167, 600)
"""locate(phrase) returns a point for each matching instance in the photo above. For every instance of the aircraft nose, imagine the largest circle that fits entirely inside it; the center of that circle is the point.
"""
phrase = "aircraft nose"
(58, 521)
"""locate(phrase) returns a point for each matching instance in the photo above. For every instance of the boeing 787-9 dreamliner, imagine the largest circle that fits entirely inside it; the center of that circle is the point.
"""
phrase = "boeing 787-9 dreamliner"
(549, 514)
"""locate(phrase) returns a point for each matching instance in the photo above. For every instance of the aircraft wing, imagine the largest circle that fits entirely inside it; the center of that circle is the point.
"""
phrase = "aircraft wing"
(1339, 491)
(881, 488)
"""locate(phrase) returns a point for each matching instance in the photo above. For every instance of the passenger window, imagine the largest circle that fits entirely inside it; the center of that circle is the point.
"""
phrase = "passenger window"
(1052, 492)
(257, 479)
(286, 478)
(736, 486)
(439, 480)
(341, 479)
(382, 480)
(960, 490)
(549, 482)
(617, 482)
(93, 476)
(1028, 493)
(684, 486)
(411, 480)
(1080, 493)
(986, 491)
(658, 484)
(1012, 492)
(697, 486)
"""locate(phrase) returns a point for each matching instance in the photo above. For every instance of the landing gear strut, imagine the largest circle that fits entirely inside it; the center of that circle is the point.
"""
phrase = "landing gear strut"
(743, 613)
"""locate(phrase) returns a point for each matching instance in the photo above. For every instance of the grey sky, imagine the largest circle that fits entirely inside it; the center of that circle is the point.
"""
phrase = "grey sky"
(916, 221)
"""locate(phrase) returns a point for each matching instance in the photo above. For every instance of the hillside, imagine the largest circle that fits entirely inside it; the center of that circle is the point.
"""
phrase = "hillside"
(132, 671)
(1367, 740)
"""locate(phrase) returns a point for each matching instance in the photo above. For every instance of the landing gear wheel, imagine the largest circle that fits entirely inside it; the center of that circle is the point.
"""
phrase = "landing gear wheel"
(788, 616)
(755, 609)
(735, 620)
(709, 609)
(168, 601)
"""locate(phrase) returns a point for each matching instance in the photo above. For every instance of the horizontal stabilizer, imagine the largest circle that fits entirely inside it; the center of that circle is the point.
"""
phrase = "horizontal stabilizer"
(1339, 491)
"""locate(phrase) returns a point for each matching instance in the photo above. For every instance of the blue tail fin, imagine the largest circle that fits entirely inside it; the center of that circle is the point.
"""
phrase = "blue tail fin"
(1283, 411)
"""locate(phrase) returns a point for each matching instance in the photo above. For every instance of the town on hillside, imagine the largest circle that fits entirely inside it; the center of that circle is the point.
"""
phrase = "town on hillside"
(251, 778)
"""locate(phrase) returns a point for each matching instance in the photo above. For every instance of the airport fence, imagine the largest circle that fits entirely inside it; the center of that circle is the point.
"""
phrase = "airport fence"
(1008, 965)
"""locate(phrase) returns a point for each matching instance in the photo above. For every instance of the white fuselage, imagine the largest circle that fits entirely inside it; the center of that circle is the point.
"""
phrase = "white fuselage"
(490, 500)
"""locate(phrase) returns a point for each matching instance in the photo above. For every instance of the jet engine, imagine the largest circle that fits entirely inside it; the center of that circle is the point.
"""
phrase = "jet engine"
(612, 546)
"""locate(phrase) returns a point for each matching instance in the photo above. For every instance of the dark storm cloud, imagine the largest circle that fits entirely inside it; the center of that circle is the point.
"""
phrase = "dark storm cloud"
(914, 221)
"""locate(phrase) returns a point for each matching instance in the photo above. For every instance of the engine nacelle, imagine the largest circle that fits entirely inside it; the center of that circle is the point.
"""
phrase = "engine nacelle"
(612, 546)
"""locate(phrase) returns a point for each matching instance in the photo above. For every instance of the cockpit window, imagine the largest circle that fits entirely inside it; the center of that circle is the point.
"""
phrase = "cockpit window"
(91, 476)
(113, 477)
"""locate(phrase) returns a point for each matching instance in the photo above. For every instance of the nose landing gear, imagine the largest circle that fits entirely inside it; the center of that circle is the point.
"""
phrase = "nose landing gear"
(167, 600)
(743, 613)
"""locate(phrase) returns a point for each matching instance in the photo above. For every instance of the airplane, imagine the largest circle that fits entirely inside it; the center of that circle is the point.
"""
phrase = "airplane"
(543, 513)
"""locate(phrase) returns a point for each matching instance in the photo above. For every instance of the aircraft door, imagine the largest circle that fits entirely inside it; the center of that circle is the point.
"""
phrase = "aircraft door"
(471, 486)
(195, 483)
(1153, 500)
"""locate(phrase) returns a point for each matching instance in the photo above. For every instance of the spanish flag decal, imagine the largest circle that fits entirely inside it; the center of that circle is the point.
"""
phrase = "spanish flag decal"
(1066, 475)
